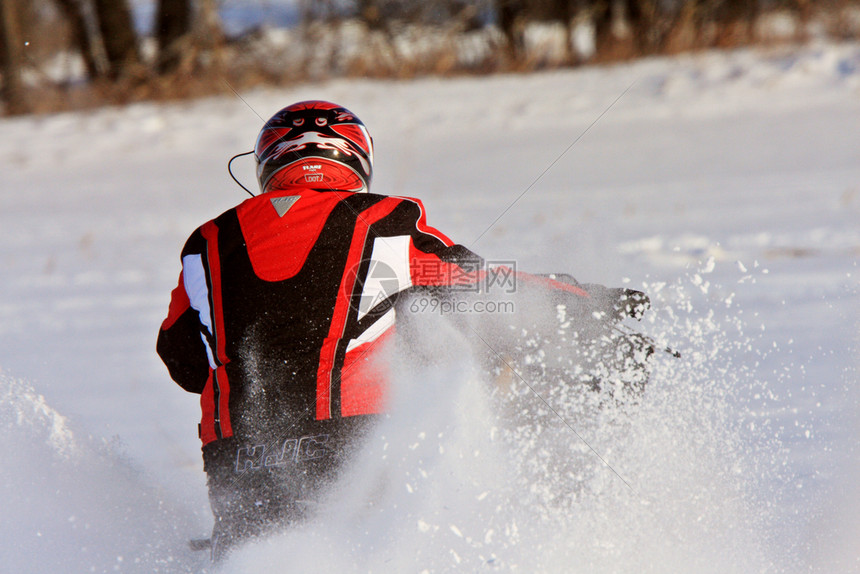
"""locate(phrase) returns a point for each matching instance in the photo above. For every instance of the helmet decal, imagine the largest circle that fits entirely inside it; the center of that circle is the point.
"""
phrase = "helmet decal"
(314, 144)
(322, 142)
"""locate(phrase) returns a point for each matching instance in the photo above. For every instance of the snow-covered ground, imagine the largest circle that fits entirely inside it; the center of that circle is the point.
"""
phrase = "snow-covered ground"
(725, 185)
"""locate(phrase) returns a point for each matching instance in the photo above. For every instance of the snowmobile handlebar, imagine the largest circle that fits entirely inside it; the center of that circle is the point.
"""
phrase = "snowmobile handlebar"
(612, 303)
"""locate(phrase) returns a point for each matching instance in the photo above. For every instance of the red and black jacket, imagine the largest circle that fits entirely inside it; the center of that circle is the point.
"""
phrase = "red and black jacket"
(283, 300)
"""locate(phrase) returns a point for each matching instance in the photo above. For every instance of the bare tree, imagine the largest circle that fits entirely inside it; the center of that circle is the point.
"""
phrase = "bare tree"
(11, 58)
(511, 15)
(370, 12)
(566, 12)
(208, 24)
(118, 37)
(173, 31)
(623, 27)
(735, 19)
(209, 34)
(84, 37)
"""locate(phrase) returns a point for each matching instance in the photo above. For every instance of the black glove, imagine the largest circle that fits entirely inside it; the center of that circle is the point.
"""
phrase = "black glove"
(618, 303)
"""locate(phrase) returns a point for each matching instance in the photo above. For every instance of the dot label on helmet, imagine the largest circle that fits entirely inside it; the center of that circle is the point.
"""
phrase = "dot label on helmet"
(313, 177)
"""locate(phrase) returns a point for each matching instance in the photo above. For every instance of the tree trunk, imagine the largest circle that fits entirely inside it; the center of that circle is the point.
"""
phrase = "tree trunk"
(209, 35)
(370, 13)
(208, 25)
(118, 36)
(82, 37)
(11, 58)
(614, 34)
(735, 19)
(173, 30)
(510, 14)
(566, 12)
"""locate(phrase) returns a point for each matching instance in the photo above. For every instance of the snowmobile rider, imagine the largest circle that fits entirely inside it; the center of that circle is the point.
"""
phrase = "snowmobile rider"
(278, 324)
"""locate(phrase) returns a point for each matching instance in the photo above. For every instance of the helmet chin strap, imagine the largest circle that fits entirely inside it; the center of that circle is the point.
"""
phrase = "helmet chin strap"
(230, 170)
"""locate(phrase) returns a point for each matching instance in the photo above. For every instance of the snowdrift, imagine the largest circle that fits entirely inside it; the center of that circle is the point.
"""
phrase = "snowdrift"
(72, 503)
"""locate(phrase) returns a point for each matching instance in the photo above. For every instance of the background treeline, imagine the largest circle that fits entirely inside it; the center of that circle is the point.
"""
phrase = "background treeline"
(61, 54)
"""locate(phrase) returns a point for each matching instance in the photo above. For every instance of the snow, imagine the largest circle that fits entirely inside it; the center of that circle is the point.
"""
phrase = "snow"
(727, 185)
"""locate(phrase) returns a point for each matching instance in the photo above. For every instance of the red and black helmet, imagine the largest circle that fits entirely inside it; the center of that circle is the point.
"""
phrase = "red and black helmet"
(317, 145)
